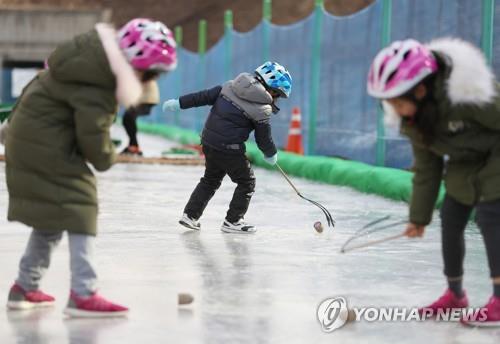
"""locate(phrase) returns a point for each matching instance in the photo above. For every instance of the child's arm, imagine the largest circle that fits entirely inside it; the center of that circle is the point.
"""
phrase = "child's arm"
(94, 115)
(205, 97)
(264, 139)
(428, 172)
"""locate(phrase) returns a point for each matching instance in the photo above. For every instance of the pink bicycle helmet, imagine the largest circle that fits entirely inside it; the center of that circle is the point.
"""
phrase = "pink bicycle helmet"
(398, 68)
(148, 45)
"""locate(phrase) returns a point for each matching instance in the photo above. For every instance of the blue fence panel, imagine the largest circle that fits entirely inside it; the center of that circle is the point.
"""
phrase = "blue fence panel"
(290, 46)
(185, 79)
(6, 87)
(347, 120)
(190, 82)
(247, 52)
(169, 88)
(496, 40)
(427, 19)
(215, 64)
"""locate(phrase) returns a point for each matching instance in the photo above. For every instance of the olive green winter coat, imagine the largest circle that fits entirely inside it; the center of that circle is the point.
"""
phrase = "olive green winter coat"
(466, 149)
(60, 122)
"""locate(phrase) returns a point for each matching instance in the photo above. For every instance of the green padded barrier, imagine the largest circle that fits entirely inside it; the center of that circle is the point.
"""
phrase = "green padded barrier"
(383, 181)
(5, 110)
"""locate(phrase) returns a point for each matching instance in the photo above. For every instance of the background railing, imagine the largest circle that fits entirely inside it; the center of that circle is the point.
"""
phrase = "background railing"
(328, 58)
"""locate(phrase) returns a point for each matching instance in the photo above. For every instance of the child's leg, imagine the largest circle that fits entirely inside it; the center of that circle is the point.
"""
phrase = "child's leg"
(129, 122)
(83, 275)
(240, 171)
(84, 301)
(36, 258)
(488, 220)
(454, 217)
(207, 186)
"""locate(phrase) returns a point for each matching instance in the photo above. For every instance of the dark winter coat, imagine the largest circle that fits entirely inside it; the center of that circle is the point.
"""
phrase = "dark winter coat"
(60, 122)
(239, 107)
(466, 149)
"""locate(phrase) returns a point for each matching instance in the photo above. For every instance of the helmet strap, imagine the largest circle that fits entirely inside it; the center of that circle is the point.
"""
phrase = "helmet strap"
(275, 107)
(260, 79)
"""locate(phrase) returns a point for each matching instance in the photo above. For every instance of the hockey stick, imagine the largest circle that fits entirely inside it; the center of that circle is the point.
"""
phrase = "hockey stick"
(366, 230)
(374, 242)
(328, 215)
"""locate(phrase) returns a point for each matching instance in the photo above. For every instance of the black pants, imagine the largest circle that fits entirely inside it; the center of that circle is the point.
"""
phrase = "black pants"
(130, 118)
(454, 217)
(217, 165)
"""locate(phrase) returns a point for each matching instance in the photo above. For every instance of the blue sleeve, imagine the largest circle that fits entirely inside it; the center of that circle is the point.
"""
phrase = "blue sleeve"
(205, 97)
(264, 139)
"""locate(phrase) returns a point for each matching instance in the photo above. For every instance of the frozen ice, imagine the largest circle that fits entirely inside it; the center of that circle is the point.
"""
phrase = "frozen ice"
(262, 288)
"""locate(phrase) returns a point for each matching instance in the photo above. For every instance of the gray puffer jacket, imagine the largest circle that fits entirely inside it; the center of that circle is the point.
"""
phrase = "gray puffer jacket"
(238, 107)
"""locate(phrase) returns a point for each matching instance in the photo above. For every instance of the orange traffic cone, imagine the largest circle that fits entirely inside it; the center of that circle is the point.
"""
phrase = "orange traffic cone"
(294, 143)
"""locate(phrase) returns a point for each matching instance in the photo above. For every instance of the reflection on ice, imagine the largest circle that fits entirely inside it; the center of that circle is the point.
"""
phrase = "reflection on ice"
(261, 288)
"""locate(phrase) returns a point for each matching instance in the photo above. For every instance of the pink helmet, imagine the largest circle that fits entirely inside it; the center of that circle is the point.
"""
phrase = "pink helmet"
(398, 68)
(148, 45)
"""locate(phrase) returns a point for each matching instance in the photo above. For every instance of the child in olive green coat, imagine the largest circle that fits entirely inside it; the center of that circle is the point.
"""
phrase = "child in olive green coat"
(60, 122)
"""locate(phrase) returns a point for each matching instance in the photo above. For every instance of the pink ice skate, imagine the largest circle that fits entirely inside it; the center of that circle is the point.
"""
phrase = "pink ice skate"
(489, 315)
(22, 299)
(446, 302)
(93, 306)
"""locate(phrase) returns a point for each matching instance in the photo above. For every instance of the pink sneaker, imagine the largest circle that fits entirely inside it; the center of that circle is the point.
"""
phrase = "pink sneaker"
(22, 299)
(93, 306)
(446, 302)
(489, 315)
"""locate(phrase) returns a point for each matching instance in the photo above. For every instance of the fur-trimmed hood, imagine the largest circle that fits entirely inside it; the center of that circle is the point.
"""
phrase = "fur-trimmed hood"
(128, 87)
(94, 58)
(471, 80)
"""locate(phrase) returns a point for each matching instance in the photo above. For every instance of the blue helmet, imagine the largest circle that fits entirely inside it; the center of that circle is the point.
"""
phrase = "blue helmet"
(275, 77)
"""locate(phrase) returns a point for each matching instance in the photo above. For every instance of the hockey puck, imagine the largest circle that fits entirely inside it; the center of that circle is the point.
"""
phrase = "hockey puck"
(318, 226)
(184, 298)
(351, 315)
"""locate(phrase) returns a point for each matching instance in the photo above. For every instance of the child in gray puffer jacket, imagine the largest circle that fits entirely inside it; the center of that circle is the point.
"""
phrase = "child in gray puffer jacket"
(239, 107)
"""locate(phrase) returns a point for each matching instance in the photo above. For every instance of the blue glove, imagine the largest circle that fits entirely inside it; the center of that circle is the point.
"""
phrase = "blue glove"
(171, 105)
(271, 160)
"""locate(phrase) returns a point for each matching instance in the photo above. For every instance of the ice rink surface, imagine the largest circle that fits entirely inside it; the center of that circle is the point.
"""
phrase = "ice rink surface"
(262, 288)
